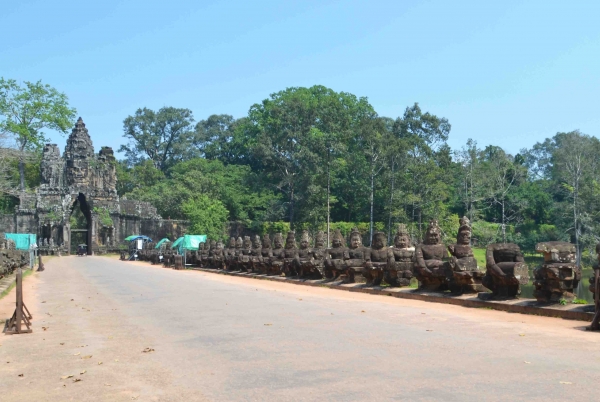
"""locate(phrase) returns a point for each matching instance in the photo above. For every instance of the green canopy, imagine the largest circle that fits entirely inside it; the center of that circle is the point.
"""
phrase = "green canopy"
(176, 242)
(161, 242)
(22, 240)
(188, 242)
(129, 238)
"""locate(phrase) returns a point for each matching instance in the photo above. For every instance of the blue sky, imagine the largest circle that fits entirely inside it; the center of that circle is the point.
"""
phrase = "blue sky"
(504, 73)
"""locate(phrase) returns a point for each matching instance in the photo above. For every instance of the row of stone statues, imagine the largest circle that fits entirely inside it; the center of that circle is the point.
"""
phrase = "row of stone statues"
(10, 257)
(435, 266)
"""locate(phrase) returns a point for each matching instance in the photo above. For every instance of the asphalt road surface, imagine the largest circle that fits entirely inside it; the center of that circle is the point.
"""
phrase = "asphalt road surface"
(211, 337)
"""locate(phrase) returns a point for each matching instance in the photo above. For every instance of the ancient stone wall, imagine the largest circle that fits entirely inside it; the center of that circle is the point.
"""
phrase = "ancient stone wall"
(81, 179)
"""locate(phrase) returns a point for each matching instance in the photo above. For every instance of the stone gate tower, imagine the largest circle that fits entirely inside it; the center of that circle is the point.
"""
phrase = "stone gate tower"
(85, 180)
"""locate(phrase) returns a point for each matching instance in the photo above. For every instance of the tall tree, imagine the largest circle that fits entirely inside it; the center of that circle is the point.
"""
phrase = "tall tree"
(164, 137)
(293, 136)
(26, 111)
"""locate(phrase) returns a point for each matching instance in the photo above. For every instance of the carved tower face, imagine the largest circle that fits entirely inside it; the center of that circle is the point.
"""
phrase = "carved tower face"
(78, 153)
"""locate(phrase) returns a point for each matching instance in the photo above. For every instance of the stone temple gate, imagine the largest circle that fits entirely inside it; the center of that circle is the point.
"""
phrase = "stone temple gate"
(82, 181)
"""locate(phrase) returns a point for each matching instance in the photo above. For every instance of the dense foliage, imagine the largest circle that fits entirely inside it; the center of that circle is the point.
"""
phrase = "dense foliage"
(306, 156)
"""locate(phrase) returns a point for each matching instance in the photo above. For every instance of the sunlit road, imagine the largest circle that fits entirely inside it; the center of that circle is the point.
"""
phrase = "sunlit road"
(225, 338)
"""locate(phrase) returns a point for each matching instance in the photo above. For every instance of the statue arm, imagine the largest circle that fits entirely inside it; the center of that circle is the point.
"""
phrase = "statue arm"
(491, 263)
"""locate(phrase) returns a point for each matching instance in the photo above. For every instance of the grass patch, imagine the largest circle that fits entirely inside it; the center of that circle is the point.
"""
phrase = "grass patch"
(26, 273)
(579, 301)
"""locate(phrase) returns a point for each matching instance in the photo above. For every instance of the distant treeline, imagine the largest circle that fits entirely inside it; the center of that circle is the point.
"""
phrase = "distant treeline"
(305, 154)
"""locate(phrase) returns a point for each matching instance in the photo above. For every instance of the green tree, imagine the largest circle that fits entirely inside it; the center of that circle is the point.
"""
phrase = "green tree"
(164, 137)
(28, 110)
(206, 215)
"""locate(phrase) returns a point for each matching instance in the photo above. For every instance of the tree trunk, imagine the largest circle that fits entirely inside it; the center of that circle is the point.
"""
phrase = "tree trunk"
(372, 201)
(22, 173)
(328, 206)
(391, 203)
(292, 208)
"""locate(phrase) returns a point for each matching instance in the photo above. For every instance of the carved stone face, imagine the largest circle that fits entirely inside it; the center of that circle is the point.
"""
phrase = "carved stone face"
(202, 245)
(256, 243)
(464, 237)
(304, 244)
(401, 241)
(247, 243)
(219, 246)
(337, 243)
(319, 244)
(433, 237)
(278, 243)
(355, 241)
(378, 242)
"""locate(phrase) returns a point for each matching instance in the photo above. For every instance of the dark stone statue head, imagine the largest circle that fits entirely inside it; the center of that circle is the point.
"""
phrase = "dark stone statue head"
(355, 238)
(304, 240)
(201, 246)
(256, 242)
(213, 244)
(434, 233)
(402, 239)
(290, 241)
(266, 241)
(464, 232)
(338, 239)
(219, 245)
(320, 239)
(379, 241)
(239, 243)
(278, 241)
(247, 242)
(231, 242)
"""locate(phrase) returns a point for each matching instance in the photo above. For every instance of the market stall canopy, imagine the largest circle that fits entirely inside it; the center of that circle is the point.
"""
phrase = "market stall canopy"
(188, 242)
(136, 237)
(165, 240)
(22, 240)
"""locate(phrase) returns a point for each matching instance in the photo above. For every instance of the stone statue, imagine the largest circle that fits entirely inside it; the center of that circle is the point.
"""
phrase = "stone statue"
(244, 257)
(319, 255)
(255, 254)
(266, 253)
(355, 263)
(463, 273)
(51, 242)
(290, 255)
(218, 260)
(230, 254)
(430, 260)
(505, 270)
(238, 254)
(377, 259)
(276, 266)
(212, 246)
(400, 270)
(559, 275)
(305, 258)
(335, 256)
(202, 254)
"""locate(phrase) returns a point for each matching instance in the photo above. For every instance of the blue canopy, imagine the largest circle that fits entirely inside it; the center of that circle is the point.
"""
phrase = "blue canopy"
(136, 237)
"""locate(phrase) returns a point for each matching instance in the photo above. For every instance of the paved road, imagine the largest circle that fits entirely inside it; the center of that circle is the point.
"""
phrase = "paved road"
(224, 338)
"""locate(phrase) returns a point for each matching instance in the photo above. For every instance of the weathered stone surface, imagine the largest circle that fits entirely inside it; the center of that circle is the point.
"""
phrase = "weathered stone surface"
(336, 256)
(430, 260)
(505, 270)
(463, 274)
(81, 179)
(377, 259)
(401, 267)
(559, 275)
(355, 263)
